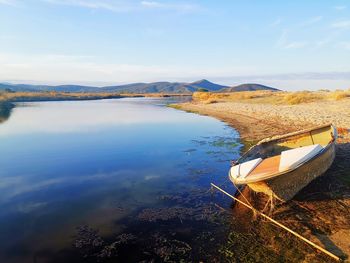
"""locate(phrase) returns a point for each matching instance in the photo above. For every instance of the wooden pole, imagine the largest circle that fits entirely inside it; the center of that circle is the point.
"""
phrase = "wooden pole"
(280, 225)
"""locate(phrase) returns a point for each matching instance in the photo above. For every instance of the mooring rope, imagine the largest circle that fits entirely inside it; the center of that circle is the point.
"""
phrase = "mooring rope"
(253, 209)
(280, 225)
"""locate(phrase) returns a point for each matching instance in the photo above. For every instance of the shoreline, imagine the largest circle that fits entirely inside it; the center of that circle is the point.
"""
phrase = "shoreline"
(13, 97)
(321, 209)
(258, 121)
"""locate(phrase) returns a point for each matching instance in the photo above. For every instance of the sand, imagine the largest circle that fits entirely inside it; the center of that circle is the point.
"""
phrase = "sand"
(321, 211)
(257, 121)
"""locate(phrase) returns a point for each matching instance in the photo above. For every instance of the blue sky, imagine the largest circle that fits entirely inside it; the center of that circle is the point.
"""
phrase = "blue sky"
(291, 45)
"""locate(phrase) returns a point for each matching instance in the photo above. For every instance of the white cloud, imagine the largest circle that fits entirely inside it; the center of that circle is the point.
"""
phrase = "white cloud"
(282, 39)
(283, 42)
(9, 2)
(344, 24)
(344, 45)
(125, 6)
(114, 6)
(304, 76)
(340, 7)
(152, 4)
(8, 37)
(294, 81)
(295, 44)
(67, 69)
(59, 69)
(181, 7)
(323, 42)
(277, 22)
(312, 20)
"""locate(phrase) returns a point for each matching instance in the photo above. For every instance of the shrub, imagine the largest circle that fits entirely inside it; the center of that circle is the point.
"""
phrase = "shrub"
(210, 101)
(201, 96)
(301, 97)
(202, 90)
(338, 95)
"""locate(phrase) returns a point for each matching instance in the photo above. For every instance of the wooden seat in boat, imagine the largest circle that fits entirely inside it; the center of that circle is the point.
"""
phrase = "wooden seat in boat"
(267, 166)
(288, 159)
(243, 169)
(294, 157)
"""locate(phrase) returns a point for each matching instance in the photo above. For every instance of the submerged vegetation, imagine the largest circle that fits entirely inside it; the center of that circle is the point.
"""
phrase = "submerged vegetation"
(193, 226)
(182, 229)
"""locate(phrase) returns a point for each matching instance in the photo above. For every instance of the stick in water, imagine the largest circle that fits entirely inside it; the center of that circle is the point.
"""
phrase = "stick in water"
(280, 225)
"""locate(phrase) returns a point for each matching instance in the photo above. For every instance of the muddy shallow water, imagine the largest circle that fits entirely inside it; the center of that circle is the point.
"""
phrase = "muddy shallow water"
(120, 179)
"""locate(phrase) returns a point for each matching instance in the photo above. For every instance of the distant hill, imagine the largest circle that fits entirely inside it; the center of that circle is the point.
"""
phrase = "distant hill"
(204, 84)
(72, 88)
(154, 87)
(164, 87)
(36, 88)
(12, 87)
(248, 87)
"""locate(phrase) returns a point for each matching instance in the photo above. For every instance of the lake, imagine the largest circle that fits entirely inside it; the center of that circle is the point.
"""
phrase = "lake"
(121, 179)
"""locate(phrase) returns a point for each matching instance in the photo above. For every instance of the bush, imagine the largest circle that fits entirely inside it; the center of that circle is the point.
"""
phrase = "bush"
(210, 101)
(338, 95)
(301, 97)
(200, 96)
(202, 90)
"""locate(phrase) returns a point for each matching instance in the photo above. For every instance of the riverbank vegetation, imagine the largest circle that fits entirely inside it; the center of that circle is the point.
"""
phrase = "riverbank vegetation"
(272, 97)
(54, 96)
(256, 97)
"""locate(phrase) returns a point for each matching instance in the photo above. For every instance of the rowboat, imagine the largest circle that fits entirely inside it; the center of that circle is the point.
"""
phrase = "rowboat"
(282, 165)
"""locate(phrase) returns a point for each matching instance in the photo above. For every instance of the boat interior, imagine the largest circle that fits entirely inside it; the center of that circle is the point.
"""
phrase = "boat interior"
(283, 153)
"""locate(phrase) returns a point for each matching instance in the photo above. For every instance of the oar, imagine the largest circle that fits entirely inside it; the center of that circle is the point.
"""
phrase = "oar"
(280, 225)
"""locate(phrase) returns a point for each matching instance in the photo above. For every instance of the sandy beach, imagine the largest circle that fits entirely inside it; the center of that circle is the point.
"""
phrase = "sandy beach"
(321, 211)
(257, 121)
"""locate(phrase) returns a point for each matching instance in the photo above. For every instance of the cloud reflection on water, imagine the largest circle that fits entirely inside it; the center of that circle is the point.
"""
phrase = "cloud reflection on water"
(84, 116)
(64, 164)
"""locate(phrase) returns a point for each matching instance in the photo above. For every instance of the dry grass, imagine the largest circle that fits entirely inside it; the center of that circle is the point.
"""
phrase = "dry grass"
(302, 97)
(13, 96)
(269, 97)
(262, 96)
(29, 96)
(338, 95)
(206, 97)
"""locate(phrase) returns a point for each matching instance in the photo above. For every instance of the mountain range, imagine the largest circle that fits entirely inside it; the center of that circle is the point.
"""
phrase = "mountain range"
(248, 87)
(154, 87)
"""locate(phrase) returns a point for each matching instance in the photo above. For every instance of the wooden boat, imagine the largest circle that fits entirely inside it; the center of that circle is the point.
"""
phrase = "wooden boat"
(282, 165)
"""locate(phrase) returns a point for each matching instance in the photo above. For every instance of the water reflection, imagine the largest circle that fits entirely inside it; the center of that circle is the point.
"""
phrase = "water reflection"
(83, 117)
(108, 164)
(5, 110)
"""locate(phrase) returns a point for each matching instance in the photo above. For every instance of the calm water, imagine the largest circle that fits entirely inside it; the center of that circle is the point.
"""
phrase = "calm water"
(97, 180)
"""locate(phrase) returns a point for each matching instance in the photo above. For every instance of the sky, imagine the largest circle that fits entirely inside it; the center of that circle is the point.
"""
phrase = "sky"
(291, 45)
